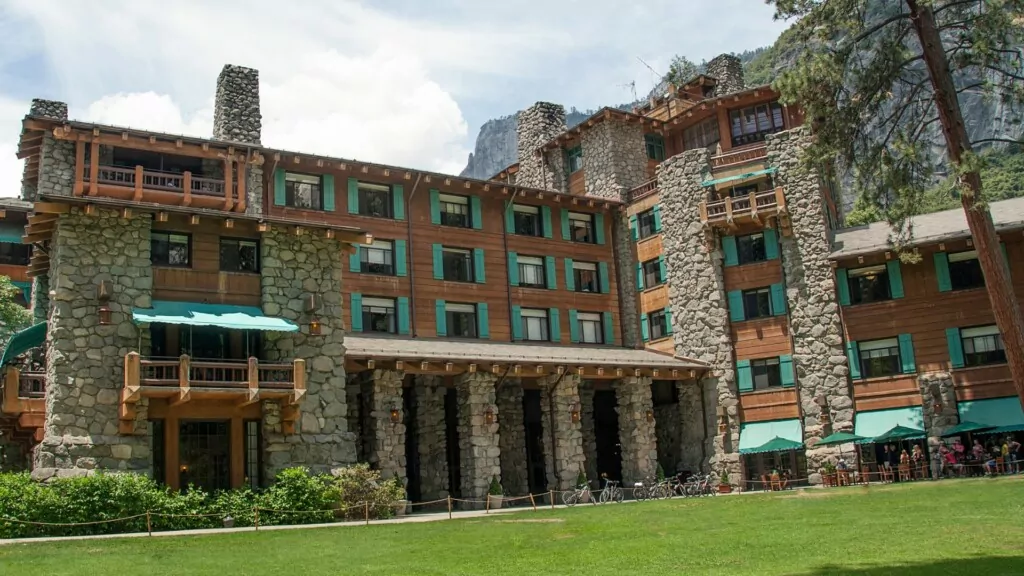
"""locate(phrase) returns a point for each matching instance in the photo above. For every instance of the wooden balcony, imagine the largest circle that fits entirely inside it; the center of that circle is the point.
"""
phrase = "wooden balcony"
(25, 398)
(735, 157)
(182, 380)
(755, 207)
(172, 188)
(643, 190)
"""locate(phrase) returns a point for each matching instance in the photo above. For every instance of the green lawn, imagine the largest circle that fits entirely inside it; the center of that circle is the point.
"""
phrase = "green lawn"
(948, 528)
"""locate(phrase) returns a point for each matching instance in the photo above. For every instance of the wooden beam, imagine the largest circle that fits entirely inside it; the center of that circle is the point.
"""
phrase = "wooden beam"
(139, 181)
(33, 238)
(240, 205)
(79, 168)
(229, 179)
(51, 208)
(38, 218)
(94, 167)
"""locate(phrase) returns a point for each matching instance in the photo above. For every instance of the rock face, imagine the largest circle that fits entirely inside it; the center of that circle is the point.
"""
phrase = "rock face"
(495, 148)
(636, 432)
(512, 438)
(236, 109)
(432, 441)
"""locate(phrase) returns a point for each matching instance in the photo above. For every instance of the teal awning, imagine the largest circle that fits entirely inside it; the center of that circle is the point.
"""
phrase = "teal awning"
(222, 315)
(877, 422)
(20, 342)
(753, 435)
(1005, 414)
(775, 445)
(11, 233)
(897, 434)
(740, 177)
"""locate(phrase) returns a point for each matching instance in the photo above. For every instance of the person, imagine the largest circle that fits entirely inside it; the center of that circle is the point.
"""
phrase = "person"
(885, 466)
(990, 463)
(1012, 465)
(949, 460)
(917, 457)
(978, 453)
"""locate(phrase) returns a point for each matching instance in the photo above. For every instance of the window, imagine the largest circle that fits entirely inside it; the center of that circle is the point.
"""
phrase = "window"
(868, 284)
(702, 135)
(982, 345)
(757, 303)
(658, 322)
(584, 275)
(751, 125)
(751, 248)
(15, 254)
(535, 324)
(253, 447)
(574, 159)
(531, 272)
(879, 358)
(377, 258)
(590, 327)
(645, 223)
(965, 270)
(454, 211)
(303, 191)
(652, 273)
(239, 255)
(766, 373)
(379, 315)
(527, 220)
(375, 200)
(460, 320)
(457, 264)
(581, 228)
(170, 249)
(743, 191)
(655, 147)
(157, 443)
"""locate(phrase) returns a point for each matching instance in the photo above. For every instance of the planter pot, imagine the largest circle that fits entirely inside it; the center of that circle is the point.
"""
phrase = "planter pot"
(400, 507)
(495, 501)
(724, 489)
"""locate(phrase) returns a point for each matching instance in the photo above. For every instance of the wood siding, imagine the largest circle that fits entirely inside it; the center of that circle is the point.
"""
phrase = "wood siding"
(577, 183)
(649, 248)
(889, 392)
(761, 338)
(768, 405)
(750, 276)
(15, 273)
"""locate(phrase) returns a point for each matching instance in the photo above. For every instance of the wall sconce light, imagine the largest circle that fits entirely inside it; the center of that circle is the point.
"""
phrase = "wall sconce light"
(396, 416)
(489, 416)
(937, 407)
(310, 304)
(314, 326)
(103, 293)
(650, 415)
(574, 412)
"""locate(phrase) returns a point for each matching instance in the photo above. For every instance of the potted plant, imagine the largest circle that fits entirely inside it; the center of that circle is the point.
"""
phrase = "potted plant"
(582, 482)
(828, 474)
(400, 506)
(723, 483)
(495, 493)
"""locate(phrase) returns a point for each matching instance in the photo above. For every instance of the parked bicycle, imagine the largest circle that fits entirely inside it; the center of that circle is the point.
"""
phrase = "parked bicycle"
(644, 490)
(580, 494)
(611, 491)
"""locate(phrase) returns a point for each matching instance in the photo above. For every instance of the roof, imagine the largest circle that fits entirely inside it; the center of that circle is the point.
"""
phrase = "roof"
(928, 229)
(602, 114)
(15, 204)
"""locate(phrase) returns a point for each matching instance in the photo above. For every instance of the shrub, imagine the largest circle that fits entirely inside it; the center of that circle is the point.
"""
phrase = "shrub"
(358, 485)
(495, 488)
(298, 497)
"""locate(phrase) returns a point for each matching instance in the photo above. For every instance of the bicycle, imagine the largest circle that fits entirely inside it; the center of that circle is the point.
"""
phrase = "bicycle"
(580, 493)
(643, 490)
(611, 492)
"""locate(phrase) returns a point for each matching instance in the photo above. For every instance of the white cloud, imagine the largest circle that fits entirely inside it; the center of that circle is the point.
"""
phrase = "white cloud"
(11, 112)
(146, 111)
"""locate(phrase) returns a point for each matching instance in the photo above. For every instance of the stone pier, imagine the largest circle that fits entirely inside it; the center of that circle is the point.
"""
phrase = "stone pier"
(589, 432)
(637, 435)
(565, 459)
(237, 118)
(432, 443)
(694, 425)
(480, 453)
(535, 126)
(512, 438)
(382, 394)
(939, 408)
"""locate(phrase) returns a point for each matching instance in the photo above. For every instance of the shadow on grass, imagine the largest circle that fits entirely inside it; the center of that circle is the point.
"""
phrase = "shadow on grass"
(987, 565)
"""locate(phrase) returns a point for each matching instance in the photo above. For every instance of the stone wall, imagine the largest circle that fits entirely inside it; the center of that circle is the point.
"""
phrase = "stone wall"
(432, 443)
(700, 318)
(668, 432)
(614, 158)
(728, 71)
(564, 461)
(479, 449)
(625, 275)
(40, 303)
(254, 190)
(236, 109)
(56, 167)
(693, 425)
(51, 155)
(84, 360)
(383, 391)
(293, 266)
(589, 432)
(51, 109)
(636, 433)
(512, 438)
(535, 126)
(937, 391)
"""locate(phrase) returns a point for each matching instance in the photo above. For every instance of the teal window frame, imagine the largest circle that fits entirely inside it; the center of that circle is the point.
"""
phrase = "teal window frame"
(655, 145)
(574, 159)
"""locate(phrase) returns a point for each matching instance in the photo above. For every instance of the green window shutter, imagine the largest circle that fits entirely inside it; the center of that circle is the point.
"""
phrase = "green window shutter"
(438, 262)
(736, 306)
(549, 272)
(510, 219)
(354, 264)
(554, 326)
(956, 347)
(942, 271)
(483, 328)
(513, 269)
(517, 322)
(440, 318)
(565, 224)
(639, 276)
(786, 370)
(744, 376)
(398, 198)
(545, 215)
(657, 217)
(329, 192)
(608, 327)
(843, 284)
(907, 353)
(574, 329)
(771, 244)
(570, 280)
(403, 315)
(732, 257)
(603, 280)
(634, 228)
(663, 269)
(668, 320)
(476, 213)
(357, 311)
(279, 192)
(853, 358)
(400, 258)
(353, 196)
(778, 300)
(645, 328)
(895, 278)
(1006, 258)
(599, 228)
(435, 206)
(478, 266)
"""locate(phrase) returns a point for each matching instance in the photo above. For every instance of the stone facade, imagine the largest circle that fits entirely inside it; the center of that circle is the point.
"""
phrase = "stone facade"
(292, 267)
(382, 392)
(56, 168)
(40, 303)
(84, 360)
(636, 432)
(236, 112)
(535, 126)
(939, 407)
(432, 441)
(51, 109)
(667, 431)
(512, 438)
(625, 275)
(697, 413)
(728, 71)
(479, 449)
(565, 459)
(589, 432)
(614, 158)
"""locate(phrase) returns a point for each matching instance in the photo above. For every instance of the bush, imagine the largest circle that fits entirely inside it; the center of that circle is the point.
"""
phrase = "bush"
(358, 485)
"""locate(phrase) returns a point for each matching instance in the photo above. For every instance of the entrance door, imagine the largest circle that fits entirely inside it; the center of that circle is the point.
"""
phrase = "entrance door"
(606, 430)
(536, 476)
(204, 454)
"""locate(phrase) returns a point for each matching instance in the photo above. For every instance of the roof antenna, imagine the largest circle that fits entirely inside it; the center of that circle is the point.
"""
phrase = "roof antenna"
(655, 75)
(632, 88)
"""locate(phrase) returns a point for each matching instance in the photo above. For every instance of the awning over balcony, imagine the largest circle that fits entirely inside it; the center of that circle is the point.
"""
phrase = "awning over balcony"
(738, 177)
(31, 337)
(874, 423)
(11, 233)
(222, 315)
(770, 436)
(1003, 413)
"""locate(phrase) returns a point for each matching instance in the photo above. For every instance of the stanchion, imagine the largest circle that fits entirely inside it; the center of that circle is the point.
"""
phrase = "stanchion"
(256, 516)
(487, 506)
(533, 502)
(551, 496)
(366, 511)
(149, 524)
(449, 507)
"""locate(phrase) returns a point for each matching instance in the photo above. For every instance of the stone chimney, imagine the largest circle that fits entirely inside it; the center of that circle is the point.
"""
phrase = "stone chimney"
(236, 113)
(728, 70)
(535, 126)
(50, 109)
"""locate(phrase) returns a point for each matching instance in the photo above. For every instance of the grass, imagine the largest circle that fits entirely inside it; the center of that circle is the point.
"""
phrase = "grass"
(949, 528)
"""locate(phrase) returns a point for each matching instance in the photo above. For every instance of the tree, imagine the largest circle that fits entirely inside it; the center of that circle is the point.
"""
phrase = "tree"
(876, 78)
(681, 71)
(13, 316)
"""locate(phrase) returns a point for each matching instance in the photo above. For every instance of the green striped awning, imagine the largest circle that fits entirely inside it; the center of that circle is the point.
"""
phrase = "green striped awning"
(11, 233)
(31, 337)
(877, 422)
(754, 435)
(222, 315)
(1003, 413)
(739, 177)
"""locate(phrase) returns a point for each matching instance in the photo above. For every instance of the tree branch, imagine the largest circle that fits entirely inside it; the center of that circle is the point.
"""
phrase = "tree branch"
(870, 31)
(939, 9)
(1004, 140)
(1003, 72)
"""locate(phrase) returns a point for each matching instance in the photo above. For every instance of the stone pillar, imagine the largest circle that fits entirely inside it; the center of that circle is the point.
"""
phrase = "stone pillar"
(636, 433)
(939, 406)
(565, 459)
(293, 267)
(700, 317)
(728, 71)
(480, 453)
(625, 275)
(512, 438)
(40, 303)
(668, 431)
(589, 432)
(84, 360)
(383, 392)
(697, 425)
(535, 126)
(432, 443)
(818, 357)
(56, 157)
(237, 118)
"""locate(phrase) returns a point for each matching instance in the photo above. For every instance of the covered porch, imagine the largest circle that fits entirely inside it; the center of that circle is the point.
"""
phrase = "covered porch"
(23, 403)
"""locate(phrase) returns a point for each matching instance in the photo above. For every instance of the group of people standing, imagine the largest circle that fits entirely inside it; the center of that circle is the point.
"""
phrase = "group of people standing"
(997, 455)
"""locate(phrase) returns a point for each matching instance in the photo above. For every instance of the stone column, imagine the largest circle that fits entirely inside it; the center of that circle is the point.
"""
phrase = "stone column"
(383, 391)
(565, 459)
(700, 318)
(636, 433)
(939, 405)
(589, 432)
(352, 403)
(535, 126)
(237, 118)
(728, 71)
(40, 303)
(432, 443)
(84, 360)
(56, 157)
(819, 360)
(480, 453)
(668, 431)
(512, 438)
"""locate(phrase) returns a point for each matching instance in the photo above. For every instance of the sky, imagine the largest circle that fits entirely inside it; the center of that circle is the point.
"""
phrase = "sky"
(402, 82)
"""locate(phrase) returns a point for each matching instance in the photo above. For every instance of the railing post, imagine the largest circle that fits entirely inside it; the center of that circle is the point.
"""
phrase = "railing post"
(298, 380)
(753, 205)
(12, 383)
(780, 199)
(138, 183)
(132, 372)
(184, 379)
(186, 183)
(703, 212)
(228, 179)
(254, 379)
(94, 167)
(728, 208)
(79, 167)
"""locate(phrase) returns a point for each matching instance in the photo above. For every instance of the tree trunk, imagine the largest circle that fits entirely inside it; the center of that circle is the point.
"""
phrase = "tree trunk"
(1005, 307)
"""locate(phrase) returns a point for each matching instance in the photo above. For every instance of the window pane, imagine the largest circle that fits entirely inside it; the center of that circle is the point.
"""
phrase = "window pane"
(375, 200)
(869, 284)
(458, 265)
(757, 303)
(531, 274)
(751, 248)
(239, 255)
(645, 223)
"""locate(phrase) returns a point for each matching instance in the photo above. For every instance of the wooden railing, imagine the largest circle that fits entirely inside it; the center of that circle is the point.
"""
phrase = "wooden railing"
(156, 180)
(740, 156)
(645, 189)
(215, 374)
(751, 206)
(32, 385)
(24, 396)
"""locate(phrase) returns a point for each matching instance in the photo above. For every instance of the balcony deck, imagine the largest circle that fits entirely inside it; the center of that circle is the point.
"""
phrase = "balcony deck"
(176, 189)
(739, 156)
(755, 207)
(25, 398)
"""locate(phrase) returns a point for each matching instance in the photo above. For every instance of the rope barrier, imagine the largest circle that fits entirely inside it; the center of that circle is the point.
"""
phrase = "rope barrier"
(67, 524)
